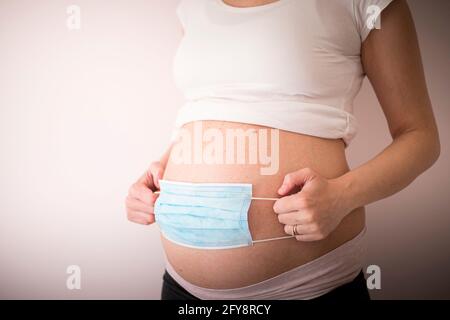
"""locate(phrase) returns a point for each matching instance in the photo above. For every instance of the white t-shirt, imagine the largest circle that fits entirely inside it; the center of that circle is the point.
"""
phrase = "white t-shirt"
(294, 65)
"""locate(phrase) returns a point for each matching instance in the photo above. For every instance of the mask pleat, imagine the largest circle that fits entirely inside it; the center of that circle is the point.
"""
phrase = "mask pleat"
(209, 238)
(194, 202)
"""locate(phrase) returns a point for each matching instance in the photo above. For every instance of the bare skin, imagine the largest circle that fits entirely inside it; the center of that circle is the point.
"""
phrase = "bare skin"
(320, 194)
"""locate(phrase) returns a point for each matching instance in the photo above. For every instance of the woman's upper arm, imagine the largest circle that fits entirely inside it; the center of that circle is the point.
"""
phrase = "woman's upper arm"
(392, 61)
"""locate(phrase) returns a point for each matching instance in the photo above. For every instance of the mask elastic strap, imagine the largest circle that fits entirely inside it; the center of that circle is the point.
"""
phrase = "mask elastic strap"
(267, 199)
(272, 239)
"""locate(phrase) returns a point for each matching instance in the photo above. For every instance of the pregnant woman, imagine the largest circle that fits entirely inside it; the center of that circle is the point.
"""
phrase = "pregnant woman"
(254, 197)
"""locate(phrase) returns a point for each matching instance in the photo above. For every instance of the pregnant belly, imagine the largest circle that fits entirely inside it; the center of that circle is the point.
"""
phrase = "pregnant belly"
(216, 151)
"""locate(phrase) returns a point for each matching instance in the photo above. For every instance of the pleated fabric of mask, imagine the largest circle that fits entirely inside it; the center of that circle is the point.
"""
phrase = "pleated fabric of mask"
(204, 215)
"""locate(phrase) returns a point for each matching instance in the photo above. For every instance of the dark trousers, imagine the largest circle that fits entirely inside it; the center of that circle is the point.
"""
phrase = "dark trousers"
(355, 291)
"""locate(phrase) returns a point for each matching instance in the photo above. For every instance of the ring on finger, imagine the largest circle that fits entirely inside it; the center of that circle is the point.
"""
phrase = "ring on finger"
(294, 230)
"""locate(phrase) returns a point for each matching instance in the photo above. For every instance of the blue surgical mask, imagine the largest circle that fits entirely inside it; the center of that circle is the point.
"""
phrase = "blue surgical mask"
(205, 215)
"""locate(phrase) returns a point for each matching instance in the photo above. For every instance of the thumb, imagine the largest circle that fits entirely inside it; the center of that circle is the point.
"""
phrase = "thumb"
(157, 176)
(157, 172)
(296, 179)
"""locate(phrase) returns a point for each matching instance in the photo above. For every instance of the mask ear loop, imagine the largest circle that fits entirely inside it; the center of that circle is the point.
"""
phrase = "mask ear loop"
(267, 199)
(270, 239)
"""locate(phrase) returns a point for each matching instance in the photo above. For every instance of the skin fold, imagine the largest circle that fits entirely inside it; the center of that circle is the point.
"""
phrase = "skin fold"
(317, 190)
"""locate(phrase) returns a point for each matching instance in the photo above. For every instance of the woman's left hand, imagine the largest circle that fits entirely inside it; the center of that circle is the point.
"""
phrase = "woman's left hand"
(316, 210)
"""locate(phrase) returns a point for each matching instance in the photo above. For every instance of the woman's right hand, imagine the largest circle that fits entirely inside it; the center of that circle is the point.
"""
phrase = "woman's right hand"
(141, 197)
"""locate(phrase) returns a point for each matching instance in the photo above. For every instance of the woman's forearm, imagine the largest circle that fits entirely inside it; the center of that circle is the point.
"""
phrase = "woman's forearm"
(410, 154)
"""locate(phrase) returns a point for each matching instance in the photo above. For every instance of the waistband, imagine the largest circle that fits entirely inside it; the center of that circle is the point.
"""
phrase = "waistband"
(310, 280)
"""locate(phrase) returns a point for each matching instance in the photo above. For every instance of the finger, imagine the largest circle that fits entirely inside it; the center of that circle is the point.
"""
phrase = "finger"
(143, 193)
(293, 218)
(308, 237)
(301, 229)
(148, 178)
(137, 205)
(296, 179)
(156, 171)
(140, 217)
(287, 204)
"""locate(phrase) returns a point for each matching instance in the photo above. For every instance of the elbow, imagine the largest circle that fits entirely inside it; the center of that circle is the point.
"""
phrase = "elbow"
(432, 147)
(434, 143)
(436, 150)
(427, 144)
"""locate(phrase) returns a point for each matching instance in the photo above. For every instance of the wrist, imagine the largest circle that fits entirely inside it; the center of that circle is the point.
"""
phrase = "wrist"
(347, 196)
